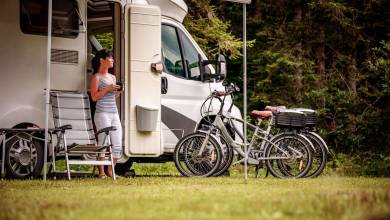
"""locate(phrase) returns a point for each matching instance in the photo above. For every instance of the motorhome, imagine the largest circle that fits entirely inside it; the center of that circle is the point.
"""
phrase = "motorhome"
(144, 33)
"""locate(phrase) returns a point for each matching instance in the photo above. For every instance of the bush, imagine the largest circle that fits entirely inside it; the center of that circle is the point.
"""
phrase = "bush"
(364, 164)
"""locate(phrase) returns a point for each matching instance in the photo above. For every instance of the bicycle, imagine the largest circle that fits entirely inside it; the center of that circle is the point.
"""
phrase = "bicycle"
(321, 149)
(286, 154)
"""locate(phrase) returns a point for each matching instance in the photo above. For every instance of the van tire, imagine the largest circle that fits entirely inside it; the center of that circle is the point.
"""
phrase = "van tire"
(18, 162)
(122, 168)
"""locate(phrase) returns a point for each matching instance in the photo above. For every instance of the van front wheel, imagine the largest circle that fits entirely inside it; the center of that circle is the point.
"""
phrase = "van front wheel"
(123, 168)
(23, 158)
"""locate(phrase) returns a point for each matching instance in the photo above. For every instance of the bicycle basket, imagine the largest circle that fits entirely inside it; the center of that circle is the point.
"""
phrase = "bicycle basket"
(288, 118)
(310, 116)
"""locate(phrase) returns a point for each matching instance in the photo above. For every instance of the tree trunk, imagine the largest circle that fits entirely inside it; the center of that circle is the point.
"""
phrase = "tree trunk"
(352, 72)
(257, 11)
(320, 51)
(320, 54)
(299, 72)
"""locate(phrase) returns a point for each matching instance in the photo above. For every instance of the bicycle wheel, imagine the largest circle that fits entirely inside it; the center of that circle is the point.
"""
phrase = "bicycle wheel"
(289, 156)
(227, 157)
(319, 154)
(191, 162)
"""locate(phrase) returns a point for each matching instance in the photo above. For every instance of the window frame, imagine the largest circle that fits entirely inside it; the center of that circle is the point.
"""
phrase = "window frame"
(182, 36)
(181, 54)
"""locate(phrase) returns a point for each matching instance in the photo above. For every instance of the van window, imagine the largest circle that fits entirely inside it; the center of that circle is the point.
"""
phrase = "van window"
(191, 58)
(173, 61)
(65, 17)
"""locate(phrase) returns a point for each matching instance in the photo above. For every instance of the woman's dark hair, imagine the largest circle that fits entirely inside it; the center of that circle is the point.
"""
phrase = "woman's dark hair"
(101, 54)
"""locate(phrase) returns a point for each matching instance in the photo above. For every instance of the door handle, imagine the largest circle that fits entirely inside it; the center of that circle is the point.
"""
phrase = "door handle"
(157, 67)
(164, 85)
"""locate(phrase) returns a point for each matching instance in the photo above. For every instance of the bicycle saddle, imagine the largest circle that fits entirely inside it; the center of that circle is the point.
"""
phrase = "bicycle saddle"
(275, 109)
(262, 114)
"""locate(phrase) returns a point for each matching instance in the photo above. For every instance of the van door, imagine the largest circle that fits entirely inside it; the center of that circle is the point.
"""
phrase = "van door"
(185, 92)
(142, 33)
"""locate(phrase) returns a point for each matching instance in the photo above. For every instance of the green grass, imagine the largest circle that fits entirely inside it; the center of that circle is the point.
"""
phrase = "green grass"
(176, 197)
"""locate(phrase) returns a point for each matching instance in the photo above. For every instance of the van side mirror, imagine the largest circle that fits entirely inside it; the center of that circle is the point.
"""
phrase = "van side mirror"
(204, 76)
(220, 68)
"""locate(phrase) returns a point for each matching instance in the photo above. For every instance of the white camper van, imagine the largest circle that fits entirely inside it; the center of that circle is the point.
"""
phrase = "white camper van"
(144, 33)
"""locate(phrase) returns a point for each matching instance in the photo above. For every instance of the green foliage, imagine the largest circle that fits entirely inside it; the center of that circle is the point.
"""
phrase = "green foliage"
(106, 40)
(283, 70)
(364, 164)
(379, 68)
(211, 33)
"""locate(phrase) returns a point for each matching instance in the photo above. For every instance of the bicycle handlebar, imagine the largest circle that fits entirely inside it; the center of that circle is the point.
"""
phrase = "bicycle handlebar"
(229, 89)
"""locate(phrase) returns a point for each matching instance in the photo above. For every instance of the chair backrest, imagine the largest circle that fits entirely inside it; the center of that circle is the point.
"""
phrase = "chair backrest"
(73, 109)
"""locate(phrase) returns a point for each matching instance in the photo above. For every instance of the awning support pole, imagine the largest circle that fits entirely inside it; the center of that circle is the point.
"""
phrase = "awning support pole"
(245, 93)
(48, 73)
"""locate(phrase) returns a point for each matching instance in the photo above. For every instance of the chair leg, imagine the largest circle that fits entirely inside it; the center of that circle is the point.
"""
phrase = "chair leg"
(67, 165)
(112, 164)
(53, 162)
(93, 171)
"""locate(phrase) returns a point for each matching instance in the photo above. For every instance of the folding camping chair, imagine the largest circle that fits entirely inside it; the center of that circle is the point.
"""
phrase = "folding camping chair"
(76, 137)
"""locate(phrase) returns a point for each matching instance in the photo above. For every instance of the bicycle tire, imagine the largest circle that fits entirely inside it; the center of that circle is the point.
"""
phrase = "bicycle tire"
(187, 160)
(319, 154)
(227, 158)
(289, 142)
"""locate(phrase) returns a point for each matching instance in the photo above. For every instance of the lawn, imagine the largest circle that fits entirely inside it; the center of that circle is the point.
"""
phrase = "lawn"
(176, 197)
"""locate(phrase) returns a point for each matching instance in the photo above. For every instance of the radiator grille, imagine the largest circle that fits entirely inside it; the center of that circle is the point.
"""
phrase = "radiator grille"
(65, 56)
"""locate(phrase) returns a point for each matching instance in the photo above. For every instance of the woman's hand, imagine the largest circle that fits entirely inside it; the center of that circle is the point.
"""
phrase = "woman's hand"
(119, 90)
(113, 88)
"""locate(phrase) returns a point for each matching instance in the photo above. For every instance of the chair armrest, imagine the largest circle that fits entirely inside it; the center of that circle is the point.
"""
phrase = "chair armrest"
(106, 130)
(65, 127)
(61, 129)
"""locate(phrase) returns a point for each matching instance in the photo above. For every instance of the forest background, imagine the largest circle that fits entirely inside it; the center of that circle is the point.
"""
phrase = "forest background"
(329, 55)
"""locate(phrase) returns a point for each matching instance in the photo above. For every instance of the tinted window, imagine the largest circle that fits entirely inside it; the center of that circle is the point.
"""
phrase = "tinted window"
(65, 18)
(191, 58)
(171, 50)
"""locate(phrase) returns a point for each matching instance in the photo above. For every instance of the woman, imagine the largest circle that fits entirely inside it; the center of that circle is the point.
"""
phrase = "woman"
(103, 92)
